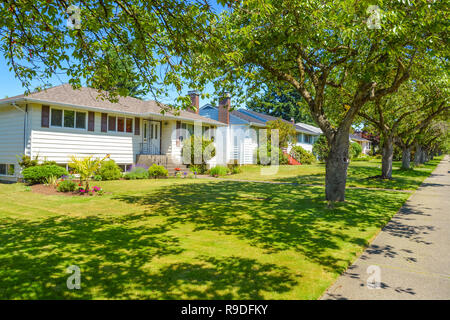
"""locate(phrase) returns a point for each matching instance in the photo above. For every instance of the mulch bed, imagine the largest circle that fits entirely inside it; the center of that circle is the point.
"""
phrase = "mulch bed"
(51, 190)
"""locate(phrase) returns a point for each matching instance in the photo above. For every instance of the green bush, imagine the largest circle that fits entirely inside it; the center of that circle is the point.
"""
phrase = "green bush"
(208, 151)
(301, 155)
(282, 159)
(109, 170)
(355, 150)
(66, 186)
(321, 149)
(40, 174)
(137, 173)
(234, 168)
(156, 171)
(219, 171)
(197, 169)
(98, 177)
(26, 161)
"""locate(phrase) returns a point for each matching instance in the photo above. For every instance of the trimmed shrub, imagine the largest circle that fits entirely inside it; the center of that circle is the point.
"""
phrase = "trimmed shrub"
(234, 168)
(219, 171)
(109, 170)
(302, 156)
(156, 171)
(321, 149)
(26, 161)
(208, 151)
(40, 174)
(136, 173)
(282, 159)
(355, 150)
(67, 186)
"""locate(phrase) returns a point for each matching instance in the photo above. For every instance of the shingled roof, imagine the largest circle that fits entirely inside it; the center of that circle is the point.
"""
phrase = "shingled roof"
(92, 99)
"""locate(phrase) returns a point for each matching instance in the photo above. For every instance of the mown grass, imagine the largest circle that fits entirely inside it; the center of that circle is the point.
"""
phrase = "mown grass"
(185, 239)
(360, 174)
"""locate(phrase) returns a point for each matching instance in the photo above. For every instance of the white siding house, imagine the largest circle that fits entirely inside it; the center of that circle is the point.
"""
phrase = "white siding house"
(242, 133)
(60, 122)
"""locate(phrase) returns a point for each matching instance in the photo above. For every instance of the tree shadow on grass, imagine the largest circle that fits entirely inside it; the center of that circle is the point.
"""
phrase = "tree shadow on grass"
(116, 257)
(273, 217)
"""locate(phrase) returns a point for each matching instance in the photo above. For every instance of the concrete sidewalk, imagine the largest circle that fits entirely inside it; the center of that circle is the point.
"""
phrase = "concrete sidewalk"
(412, 252)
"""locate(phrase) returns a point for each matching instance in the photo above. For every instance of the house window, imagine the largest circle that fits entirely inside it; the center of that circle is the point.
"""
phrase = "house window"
(111, 123)
(6, 169)
(308, 139)
(120, 124)
(56, 117)
(80, 120)
(68, 119)
(129, 125)
(299, 137)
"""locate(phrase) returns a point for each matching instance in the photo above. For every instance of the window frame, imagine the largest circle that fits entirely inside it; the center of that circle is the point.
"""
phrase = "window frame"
(7, 168)
(62, 126)
(125, 121)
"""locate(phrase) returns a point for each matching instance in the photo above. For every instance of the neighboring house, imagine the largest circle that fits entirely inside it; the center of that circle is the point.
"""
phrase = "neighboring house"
(364, 143)
(240, 138)
(59, 122)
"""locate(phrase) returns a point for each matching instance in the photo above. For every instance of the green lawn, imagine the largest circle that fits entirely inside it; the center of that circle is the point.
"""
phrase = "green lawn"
(359, 174)
(185, 238)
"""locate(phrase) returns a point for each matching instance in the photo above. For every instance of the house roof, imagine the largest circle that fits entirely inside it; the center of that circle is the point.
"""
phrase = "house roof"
(89, 98)
(262, 118)
(309, 127)
(358, 138)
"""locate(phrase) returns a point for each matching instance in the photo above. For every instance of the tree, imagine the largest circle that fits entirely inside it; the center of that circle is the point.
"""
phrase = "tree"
(287, 104)
(119, 75)
(321, 148)
(286, 132)
(326, 52)
(399, 118)
(149, 37)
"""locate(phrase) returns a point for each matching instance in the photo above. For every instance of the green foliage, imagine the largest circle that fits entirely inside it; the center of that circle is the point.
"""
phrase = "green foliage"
(287, 104)
(302, 156)
(156, 171)
(321, 148)
(286, 131)
(109, 170)
(86, 167)
(51, 181)
(66, 186)
(98, 177)
(196, 169)
(234, 168)
(40, 174)
(355, 150)
(218, 171)
(26, 161)
(137, 173)
(266, 152)
(208, 151)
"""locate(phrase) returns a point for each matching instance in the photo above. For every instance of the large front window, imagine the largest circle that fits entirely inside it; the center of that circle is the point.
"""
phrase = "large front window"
(68, 119)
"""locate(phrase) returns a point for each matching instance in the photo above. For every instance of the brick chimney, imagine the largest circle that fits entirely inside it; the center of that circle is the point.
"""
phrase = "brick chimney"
(224, 108)
(195, 101)
(293, 121)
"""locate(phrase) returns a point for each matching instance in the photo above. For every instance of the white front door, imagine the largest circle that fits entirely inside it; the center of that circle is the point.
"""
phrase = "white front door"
(152, 137)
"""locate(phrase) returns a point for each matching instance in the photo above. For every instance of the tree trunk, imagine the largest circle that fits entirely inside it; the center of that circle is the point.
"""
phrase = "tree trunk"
(406, 158)
(388, 155)
(417, 155)
(336, 167)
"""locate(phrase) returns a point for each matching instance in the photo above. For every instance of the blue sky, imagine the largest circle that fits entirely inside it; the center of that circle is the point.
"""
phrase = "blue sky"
(11, 86)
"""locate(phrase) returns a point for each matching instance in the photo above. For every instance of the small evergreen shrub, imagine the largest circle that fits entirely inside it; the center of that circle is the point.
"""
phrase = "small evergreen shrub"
(320, 148)
(266, 160)
(137, 173)
(302, 156)
(219, 171)
(109, 170)
(66, 186)
(156, 171)
(40, 174)
(355, 150)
